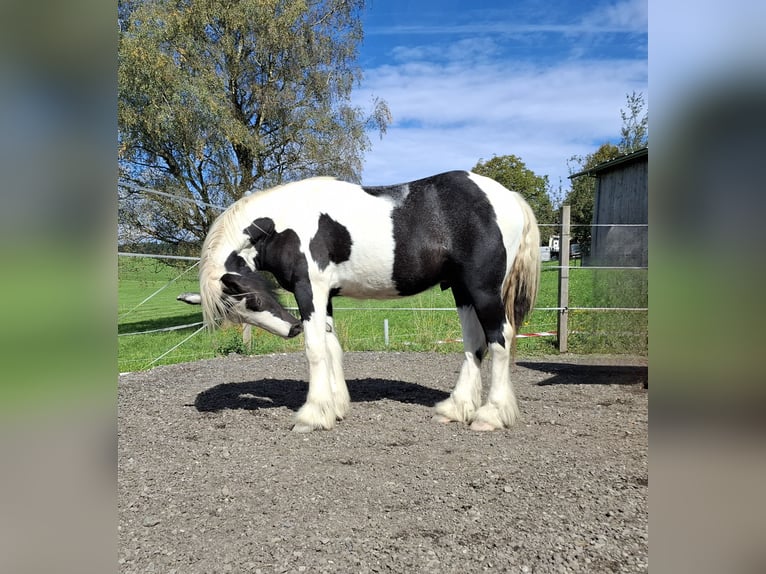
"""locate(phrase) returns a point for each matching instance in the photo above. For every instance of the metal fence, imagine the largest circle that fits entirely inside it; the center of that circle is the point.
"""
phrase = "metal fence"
(605, 312)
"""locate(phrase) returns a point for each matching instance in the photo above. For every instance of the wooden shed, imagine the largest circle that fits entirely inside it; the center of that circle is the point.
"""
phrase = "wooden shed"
(621, 197)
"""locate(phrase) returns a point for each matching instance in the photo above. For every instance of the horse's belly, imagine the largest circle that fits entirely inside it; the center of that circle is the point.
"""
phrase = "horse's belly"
(368, 272)
(366, 286)
(365, 292)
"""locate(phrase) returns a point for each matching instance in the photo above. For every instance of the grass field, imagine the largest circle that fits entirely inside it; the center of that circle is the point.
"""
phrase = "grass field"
(360, 323)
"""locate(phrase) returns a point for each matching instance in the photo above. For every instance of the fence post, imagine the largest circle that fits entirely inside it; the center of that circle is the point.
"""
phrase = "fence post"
(247, 336)
(563, 322)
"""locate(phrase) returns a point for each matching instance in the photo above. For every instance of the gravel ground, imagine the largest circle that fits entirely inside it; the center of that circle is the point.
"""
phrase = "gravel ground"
(211, 480)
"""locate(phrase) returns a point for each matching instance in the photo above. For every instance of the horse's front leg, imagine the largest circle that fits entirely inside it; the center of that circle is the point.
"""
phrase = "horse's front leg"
(338, 387)
(319, 410)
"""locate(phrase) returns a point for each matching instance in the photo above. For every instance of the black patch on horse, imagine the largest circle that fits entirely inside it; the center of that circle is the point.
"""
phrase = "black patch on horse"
(332, 242)
(280, 254)
(243, 283)
(395, 192)
(259, 229)
(446, 232)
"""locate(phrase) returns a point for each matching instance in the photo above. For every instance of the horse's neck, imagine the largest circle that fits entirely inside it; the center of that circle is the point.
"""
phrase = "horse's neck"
(227, 237)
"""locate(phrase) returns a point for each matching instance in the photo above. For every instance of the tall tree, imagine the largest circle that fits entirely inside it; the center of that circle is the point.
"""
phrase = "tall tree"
(580, 196)
(635, 124)
(511, 172)
(218, 97)
(634, 135)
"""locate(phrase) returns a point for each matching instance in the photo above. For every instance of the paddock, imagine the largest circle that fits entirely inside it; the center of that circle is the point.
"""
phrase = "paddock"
(210, 478)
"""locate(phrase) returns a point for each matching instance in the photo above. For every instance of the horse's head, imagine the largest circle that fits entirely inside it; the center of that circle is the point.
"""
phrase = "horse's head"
(251, 300)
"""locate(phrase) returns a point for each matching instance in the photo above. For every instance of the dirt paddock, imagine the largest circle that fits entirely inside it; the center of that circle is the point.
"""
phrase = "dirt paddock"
(212, 480)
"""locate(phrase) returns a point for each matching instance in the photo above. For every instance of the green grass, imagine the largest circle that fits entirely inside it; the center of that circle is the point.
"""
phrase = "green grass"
(360, 323)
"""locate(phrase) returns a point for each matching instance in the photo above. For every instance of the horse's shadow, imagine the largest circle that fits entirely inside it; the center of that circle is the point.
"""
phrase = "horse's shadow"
(574, 374)
(291, 393)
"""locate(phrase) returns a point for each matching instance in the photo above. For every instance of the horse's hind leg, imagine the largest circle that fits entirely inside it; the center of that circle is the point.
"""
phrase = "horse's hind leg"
(501, 409)
(466, 397)
(487, 325)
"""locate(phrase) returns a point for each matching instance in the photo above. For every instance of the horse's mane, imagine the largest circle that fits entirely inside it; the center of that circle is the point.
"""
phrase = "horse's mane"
(225, 236)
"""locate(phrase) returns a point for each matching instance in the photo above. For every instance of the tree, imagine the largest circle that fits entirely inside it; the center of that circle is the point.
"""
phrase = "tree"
(635, 124)
(635, 135)
(511, 172)
(218, 97)
(580, 196)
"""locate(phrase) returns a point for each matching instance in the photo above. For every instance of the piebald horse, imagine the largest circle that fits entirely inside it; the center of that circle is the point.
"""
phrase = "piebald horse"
(322, 237)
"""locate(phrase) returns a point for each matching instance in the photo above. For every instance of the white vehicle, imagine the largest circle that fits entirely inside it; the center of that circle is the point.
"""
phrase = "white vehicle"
(553, 244)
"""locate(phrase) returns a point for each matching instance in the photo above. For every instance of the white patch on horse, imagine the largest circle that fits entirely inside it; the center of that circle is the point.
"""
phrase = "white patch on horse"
(503, 202)
(263, 319)
(368, 273)
(248, 254)
(369, 270)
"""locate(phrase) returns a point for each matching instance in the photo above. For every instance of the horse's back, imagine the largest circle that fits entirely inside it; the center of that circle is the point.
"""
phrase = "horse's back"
(408, 237)
(398, 240)
(447, 225)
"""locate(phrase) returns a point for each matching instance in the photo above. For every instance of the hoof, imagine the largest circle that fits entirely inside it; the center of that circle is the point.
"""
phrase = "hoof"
(304, 428)
(482, 426)
(493, 417)
(313, 416)
(341, 412)
(450, 410)
(441, 419)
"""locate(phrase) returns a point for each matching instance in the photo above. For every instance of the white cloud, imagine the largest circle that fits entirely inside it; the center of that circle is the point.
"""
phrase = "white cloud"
(630, 15)
(449, 115)
(464, 97)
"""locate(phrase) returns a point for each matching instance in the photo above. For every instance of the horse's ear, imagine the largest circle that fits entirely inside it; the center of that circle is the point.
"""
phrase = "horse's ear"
(233, 284)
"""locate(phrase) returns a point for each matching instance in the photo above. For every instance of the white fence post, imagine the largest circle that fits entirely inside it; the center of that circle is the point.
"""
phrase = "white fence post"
(563, 317)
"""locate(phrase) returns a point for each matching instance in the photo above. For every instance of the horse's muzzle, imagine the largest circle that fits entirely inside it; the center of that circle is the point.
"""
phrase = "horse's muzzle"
(295, 330)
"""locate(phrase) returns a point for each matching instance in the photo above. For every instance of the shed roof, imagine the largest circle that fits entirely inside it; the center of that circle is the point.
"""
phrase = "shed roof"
(607, 165)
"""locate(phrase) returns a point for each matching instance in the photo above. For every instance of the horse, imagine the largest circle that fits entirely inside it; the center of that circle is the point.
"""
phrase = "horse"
(322, 237)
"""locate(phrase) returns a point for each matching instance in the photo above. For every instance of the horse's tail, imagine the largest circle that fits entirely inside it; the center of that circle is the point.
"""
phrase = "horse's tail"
(214, 308)
(523, 279)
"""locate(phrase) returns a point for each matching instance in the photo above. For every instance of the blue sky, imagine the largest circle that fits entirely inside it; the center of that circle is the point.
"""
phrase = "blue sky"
(469, 80)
